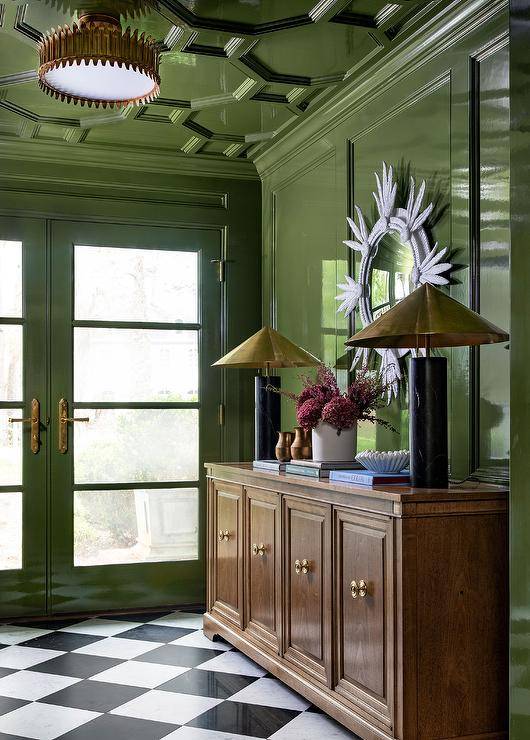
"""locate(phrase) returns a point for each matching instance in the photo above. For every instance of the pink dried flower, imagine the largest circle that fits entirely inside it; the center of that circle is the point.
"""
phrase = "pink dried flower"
(308, 413)
(340, 413)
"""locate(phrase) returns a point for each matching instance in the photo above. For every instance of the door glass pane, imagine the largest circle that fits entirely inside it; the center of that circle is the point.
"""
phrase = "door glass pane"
(135, 365)
(10, 361)
(10, 448)
(113, 284)
(136, 445)
(11, 274)
(135, 526)
(10, 531)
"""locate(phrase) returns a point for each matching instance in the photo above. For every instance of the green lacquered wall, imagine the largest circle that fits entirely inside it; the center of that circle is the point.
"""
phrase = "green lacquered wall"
(520, 356)
(438, 109)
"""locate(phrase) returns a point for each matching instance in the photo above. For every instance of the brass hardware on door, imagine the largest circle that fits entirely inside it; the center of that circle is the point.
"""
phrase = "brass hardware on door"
(64, 420)
(258, 549)
(223, 535)
(34, 420)
(301, 566)
(358, 589)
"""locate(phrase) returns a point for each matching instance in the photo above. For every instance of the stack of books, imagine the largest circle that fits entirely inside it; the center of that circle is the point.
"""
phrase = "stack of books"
(319, 469)
(370, 477)
(271, 466)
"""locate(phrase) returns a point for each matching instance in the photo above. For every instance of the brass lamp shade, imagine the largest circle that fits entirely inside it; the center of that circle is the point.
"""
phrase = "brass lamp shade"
(428, 318)
(266, 349)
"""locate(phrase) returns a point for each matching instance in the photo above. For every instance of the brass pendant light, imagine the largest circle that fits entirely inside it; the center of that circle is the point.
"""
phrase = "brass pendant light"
(95, 63)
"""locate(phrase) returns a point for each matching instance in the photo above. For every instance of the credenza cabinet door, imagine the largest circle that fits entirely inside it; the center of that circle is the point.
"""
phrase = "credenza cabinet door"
(226, 548)
(262, 561)
(307, 581)
(364, 619)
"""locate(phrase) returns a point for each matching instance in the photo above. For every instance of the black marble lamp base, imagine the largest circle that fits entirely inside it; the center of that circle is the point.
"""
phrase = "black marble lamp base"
(428, 422)
(267, 423)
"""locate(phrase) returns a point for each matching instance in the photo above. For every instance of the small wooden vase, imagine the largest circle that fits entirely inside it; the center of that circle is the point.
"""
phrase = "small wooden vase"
(301, 446)
(283, 446)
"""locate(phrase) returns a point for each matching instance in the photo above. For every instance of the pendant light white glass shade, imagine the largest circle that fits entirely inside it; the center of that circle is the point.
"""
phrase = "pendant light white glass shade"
(102, 82)
(95, 63)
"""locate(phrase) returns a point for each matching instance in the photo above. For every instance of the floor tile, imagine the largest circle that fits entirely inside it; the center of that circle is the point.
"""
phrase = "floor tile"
(181, 619)
(233, 662)
(146, 675)
(194, 733)
(114, 647)
(102, 627)
(8, 704)
(245, 719)
(32, 686)
(197, 638)
(138, 616)
(61, 641)
(178, 655)
(269, 692)
(112, 727)
(17, 656)
(43, 721)
(207, 683)
(94, 695)
(52, 624)
(312, 726)
(155, 633)
(11, 634)
(163, 706)
(77, 666)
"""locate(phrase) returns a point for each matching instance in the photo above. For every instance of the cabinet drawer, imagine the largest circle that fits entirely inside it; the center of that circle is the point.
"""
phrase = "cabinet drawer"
(262, 558)
(364, 620)
(226, 549)
(307, 586)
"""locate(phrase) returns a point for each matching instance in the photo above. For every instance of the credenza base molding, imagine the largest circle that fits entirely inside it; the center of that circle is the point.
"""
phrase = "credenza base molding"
(320, 697)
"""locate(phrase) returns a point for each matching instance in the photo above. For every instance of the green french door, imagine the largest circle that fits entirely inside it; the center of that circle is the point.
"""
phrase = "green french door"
(118, 353)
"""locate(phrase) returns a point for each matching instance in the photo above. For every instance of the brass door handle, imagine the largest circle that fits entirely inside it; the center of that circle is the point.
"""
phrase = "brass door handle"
(64, 419)
(224, 535)
(358, 589)
(301, 566)
(258, 549)
(34, 420)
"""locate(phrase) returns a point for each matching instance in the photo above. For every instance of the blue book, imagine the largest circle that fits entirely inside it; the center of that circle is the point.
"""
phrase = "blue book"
(370, 477)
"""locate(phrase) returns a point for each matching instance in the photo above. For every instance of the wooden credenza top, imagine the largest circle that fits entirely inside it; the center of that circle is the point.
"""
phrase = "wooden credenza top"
(469, 497)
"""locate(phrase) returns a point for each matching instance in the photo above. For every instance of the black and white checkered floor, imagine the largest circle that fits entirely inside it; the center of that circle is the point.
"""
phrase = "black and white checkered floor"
(142, 677)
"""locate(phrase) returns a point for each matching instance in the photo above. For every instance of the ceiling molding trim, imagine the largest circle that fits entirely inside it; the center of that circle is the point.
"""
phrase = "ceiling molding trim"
(433, 37)
(19, 78)
(136, 159)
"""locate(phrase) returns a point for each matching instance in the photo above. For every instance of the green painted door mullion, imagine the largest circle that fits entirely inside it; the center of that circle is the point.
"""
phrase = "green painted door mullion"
(141, 584)
(23, 592)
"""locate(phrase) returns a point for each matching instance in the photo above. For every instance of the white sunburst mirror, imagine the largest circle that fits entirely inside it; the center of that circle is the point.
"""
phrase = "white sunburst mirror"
(407, 223)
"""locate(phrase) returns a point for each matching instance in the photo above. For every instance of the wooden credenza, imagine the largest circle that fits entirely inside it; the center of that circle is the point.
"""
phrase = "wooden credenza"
(387, 607)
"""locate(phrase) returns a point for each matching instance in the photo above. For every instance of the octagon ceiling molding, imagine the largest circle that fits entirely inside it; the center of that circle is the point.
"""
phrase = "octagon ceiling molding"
(232, 79)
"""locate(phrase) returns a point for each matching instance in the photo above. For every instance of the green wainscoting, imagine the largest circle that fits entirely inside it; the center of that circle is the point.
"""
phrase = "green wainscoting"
(437, 110)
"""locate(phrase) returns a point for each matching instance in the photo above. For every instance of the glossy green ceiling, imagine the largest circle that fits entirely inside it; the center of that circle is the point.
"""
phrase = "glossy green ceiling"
(235, 73)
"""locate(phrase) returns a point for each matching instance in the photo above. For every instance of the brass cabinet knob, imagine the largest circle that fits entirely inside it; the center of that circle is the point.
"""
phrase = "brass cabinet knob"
(301, 566)
(358, 589)
(223, 535)
(258, 549)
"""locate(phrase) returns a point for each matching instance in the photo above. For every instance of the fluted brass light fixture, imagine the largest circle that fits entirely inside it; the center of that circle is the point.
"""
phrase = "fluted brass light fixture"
(96, 63)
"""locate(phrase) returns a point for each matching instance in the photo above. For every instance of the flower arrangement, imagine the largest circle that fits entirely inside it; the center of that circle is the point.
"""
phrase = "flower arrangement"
(321, 400)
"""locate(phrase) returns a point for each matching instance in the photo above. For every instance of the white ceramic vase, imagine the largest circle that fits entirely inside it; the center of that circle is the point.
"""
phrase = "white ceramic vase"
(328, 446)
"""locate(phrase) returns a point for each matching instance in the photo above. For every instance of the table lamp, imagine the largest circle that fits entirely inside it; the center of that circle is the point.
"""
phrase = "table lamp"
(267, 349)
(425, 319)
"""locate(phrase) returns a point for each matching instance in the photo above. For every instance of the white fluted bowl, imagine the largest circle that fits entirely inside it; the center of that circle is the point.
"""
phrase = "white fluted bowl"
(384, 462)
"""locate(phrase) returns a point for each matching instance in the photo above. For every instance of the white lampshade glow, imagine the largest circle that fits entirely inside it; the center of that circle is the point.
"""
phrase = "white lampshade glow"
(98, 81)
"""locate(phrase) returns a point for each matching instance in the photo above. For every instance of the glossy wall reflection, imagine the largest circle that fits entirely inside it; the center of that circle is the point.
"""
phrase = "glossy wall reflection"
(446, 121)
